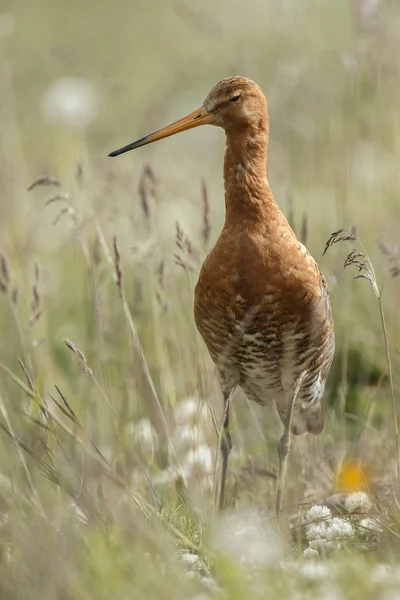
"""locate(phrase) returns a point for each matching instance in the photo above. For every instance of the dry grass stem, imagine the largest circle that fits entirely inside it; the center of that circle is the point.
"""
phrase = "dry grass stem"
(206, 231)
(57, 198)
(45, 180)
(290, 210)
(366, 271)
(79, 175)
(14, 295)
(147, 187)
(187, 256)
(8, 427)
(392, 252)
(36, 301)
(4, 269)
(304, 230)
(117, 265)
(155, 403)
(28, 376)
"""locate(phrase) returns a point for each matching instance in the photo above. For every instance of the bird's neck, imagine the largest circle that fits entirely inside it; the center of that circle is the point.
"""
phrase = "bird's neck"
(248, 198)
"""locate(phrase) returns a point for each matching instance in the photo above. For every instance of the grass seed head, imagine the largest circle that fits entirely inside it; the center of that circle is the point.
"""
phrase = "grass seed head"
(80, 355)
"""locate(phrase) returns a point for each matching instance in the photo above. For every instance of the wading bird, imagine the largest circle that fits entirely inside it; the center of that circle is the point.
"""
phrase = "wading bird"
(261, 303)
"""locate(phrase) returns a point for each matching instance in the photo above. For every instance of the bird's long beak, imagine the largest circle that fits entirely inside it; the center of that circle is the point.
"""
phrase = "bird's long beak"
(195, 119)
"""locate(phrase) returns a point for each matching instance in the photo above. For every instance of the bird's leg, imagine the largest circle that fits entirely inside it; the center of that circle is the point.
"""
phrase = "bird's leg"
(226, 447)
(284, 446)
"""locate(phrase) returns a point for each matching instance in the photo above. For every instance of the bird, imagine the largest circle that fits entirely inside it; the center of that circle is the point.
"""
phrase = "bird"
(261, 303)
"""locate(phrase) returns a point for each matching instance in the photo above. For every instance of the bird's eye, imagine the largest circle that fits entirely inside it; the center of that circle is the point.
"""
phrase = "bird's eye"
(235, 98)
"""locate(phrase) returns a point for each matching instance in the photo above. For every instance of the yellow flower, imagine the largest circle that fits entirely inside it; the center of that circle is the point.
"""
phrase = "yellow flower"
(351, 477)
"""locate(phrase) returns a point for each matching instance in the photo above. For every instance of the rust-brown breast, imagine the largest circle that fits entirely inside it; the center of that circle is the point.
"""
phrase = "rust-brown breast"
(263, 310)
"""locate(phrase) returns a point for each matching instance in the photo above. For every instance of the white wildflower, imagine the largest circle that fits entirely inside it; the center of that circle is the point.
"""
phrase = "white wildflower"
(73, 101)
(198, 461)
(316, 571)
(310, 553)
(171, 476)
(322, 545)
(144, 436)
(325, 535)
(317, 512)
(210, 583)
(339, 528)
(370, 525)
(192, 561)
(381, 574)
(187, 410)
(248, 538)
(188, 436)
(315, 531)
(357, 502)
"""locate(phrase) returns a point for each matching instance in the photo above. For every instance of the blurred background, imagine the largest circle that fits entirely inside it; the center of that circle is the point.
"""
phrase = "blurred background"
(105, 252)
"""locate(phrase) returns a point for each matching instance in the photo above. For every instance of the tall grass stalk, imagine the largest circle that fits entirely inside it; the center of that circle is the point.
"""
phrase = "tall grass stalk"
(362, 262)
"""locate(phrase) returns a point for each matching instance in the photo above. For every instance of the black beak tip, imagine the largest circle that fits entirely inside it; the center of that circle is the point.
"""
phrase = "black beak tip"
(141, 142)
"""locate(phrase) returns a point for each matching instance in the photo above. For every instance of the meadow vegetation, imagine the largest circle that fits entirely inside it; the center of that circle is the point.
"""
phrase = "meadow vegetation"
(110, 407)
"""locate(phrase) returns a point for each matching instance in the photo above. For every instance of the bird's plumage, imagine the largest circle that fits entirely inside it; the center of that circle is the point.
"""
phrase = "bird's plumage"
(261, 303)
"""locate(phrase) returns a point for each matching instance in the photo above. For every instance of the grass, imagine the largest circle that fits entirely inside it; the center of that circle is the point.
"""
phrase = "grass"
(110, 407)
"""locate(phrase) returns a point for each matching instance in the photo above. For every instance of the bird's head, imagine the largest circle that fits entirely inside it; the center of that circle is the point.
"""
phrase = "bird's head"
(235, 104)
